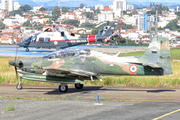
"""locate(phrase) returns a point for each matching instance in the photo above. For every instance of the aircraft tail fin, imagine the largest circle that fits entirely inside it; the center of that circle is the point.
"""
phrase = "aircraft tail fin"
(111, 29)
(111, 32)
(158, 54)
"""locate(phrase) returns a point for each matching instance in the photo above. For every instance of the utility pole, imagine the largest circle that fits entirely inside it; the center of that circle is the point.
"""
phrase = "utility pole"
(156, 20)
(59, 3)
(156, 7)
(150, 30)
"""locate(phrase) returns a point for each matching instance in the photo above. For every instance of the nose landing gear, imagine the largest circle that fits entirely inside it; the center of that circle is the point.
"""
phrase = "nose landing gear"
(27, 50)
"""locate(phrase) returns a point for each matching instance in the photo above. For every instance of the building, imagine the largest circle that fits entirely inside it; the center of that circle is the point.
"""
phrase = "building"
(130, 7)
(7, 5)
(118, 7)
(99, 7)
(68, 16)
(130, 21)
(140, 23)
(37, 8)
(145, 22)
(105, 15)
(16, 5)
(177, 9)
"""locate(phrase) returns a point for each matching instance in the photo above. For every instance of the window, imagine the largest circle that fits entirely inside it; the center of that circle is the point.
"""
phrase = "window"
(47, 40)
(41, 40)
(72, 34)
(62, 34)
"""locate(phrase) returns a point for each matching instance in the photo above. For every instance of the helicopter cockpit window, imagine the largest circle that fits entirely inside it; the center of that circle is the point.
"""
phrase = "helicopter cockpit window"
(72, 34)
(41, 39)
(100, 32)
(62, 34)
(34, 39)
(47, 40)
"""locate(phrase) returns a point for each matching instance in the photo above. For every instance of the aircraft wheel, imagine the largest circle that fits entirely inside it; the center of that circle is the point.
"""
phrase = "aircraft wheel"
(63, 88)
(78, 86)
(27, 50)
(19, 86)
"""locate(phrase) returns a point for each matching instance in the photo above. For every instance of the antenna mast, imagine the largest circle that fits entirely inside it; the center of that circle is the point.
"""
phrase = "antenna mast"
(59, 3)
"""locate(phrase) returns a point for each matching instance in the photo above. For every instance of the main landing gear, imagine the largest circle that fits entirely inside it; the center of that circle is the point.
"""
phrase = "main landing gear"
(78, 86)
(19, 85)
(64, 87)
(27, 50)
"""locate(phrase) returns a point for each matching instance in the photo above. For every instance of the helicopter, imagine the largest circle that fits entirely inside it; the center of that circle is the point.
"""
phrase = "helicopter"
(59, 38)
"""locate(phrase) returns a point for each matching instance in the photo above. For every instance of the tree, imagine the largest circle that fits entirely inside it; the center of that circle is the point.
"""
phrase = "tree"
(124, 12)
(125, 26)
(42, 9)
(178, 13)
(163, 8)
(97, 11)
(13, 13)
(88, 25)
(2, 25)
(94, 31)
(160, 10)
(25, 8)
(49, 22)
(81, 5)
(27, 24)
(89, 15)
(73, 22)
(151, 13)
(55, 13)
(172, 25)
(65, 10)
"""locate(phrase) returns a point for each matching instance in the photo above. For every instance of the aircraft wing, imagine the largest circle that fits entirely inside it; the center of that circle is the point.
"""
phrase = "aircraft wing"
(67, 72)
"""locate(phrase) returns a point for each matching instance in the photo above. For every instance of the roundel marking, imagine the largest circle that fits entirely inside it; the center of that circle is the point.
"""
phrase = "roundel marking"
(133, 68)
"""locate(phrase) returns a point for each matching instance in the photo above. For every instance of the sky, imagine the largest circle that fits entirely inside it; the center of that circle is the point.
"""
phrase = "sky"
(76, 3)
(167, 1)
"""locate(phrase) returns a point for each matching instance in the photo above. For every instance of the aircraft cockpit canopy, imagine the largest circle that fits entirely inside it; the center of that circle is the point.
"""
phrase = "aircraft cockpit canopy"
(68, 53)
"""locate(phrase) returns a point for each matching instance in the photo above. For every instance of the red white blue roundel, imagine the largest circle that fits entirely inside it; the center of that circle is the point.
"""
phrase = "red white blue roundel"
(133, 68)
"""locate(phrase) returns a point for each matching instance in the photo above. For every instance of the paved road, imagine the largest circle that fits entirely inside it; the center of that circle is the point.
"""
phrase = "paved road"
(90, 93)
(86, 110)
(118, 103)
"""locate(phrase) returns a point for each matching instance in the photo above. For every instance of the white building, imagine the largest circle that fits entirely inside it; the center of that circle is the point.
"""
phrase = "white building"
(118, 7)
(130, 7)
(35, 9)
(68, 16)
(177, 9)
(17, 20)
(105, 15)
(20, 19)
(7, 5)
(10, 22)
(130, 21)
(37, 20)
(99, 7)
(16, 5)
(140, 23)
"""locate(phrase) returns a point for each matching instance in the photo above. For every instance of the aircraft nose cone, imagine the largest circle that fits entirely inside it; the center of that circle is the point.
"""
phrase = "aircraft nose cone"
(12, 63)
(19, 44)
